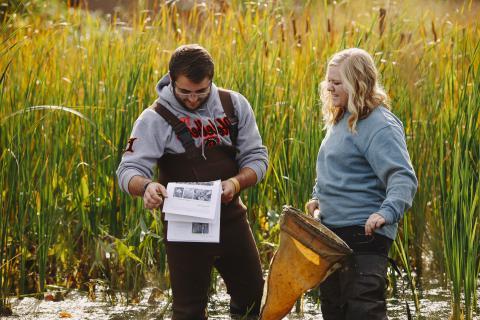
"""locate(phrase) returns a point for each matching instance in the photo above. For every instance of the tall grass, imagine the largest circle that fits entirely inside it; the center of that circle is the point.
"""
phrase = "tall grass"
(459, 207)
(63, 218)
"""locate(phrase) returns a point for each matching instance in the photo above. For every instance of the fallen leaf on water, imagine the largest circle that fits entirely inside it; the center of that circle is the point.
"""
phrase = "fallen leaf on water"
(156, 295)
(49, 297)
(64, 314)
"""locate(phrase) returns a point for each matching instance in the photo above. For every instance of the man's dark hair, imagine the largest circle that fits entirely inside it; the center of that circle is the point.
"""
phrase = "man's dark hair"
(191, 61)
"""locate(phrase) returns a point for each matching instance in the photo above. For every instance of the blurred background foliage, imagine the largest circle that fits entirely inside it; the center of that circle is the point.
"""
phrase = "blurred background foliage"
(75, 75)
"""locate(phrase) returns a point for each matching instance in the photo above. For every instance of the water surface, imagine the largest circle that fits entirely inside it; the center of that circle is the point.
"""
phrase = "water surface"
(435, 304)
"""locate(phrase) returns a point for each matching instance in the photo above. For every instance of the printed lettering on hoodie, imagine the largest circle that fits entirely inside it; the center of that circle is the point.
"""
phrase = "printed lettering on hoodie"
(129, 147)
(210, 134)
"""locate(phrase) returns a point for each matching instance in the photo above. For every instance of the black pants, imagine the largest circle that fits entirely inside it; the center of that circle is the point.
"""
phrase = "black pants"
(236, 259)
(357, 289)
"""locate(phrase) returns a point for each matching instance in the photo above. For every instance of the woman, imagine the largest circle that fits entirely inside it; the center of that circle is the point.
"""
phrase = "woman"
(365, 182)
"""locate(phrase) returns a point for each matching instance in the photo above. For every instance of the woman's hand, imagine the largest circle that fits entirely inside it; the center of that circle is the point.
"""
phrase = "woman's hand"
(154, 195)
(375, 221)
(312, 208)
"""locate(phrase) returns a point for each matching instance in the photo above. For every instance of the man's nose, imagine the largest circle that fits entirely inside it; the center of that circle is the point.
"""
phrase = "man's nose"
(193, 98)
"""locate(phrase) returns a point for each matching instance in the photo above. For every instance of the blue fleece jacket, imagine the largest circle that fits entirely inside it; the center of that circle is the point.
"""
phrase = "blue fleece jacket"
(365, 172)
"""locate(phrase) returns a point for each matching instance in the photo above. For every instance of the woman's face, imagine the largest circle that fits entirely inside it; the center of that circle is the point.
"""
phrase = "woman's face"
(335, 87)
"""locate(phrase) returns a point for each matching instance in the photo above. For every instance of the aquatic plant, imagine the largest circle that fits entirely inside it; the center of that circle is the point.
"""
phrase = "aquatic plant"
(73, 82)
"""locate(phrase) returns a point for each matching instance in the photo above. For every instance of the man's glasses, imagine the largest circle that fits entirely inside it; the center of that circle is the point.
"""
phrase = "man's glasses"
(185, 94)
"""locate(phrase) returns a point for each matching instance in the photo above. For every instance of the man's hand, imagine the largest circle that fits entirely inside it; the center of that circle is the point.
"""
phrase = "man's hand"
(154, 195)
(312, 208)
(375, 221)
(228, 191)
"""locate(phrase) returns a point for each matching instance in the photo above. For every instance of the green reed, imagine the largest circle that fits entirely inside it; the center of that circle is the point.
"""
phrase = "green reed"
(64, 218)
(459, 182)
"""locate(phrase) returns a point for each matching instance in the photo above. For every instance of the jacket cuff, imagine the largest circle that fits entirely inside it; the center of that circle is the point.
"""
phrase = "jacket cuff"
(387, 215)
(259, 170)
(126, 180)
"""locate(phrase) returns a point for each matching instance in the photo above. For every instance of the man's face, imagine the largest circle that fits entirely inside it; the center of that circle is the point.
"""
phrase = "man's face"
(192, 94)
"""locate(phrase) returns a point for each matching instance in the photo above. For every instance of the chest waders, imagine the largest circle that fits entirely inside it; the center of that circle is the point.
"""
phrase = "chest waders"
(357, 289)
(236, 256)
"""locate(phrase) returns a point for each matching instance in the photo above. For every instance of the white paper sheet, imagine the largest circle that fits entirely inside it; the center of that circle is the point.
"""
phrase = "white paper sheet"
(195, 200)
(193, 227)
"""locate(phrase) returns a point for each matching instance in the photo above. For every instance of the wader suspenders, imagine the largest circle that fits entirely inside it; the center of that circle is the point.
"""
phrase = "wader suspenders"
(227, 104)
(181, 129)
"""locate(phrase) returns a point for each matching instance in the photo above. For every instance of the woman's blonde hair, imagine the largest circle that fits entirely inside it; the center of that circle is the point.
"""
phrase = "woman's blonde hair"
(360, 80)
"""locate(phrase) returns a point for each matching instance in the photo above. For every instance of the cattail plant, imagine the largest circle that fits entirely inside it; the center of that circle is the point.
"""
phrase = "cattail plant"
(72, 84)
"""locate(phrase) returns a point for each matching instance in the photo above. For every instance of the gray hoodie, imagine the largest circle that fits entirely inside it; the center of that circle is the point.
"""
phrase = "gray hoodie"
(152, 136)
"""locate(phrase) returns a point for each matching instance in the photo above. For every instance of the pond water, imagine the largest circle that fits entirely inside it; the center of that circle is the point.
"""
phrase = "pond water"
(435, 304)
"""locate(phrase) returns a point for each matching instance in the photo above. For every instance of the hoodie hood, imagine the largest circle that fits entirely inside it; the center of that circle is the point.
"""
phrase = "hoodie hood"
(205, 113)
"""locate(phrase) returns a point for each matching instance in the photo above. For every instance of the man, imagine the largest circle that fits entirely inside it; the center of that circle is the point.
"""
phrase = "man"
(197, 132)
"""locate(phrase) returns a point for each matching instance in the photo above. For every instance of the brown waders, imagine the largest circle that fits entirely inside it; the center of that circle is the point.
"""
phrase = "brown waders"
(357, 289)
(235, 257)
